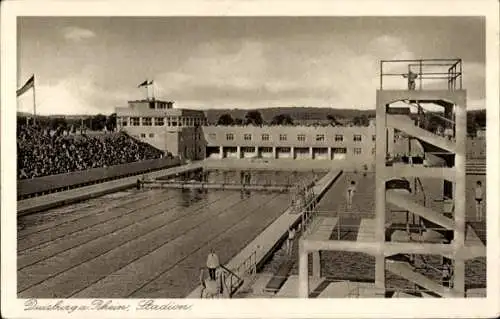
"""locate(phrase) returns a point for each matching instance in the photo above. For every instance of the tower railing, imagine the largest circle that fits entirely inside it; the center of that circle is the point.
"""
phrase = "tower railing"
(421, 74)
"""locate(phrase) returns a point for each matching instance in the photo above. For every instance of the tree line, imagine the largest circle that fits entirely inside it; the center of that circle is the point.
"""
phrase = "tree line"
(475, 120)
(254, 117)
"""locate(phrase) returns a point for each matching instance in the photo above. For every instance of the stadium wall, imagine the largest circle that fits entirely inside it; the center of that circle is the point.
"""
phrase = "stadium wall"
(29, 187)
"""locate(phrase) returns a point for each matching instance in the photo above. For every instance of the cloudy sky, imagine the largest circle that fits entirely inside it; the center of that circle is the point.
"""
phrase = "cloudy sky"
(90, 65)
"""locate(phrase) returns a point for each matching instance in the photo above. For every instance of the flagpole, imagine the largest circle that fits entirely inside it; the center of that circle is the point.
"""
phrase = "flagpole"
(34, 100)
(147, 90)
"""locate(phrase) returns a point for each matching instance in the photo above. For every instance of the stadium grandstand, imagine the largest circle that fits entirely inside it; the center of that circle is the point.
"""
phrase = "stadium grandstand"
(42, 152)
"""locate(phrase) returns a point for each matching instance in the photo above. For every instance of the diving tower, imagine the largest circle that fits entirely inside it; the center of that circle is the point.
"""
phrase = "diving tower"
(423, 101)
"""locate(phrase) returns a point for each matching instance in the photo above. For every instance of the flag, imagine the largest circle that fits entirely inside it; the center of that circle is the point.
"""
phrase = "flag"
(145, 83)
(151, 82)
(28, 85)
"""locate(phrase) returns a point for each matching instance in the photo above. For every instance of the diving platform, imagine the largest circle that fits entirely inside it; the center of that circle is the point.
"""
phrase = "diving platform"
(406, 201)
(405, 270)
(407, 125)
(418, 170)
(438, 97)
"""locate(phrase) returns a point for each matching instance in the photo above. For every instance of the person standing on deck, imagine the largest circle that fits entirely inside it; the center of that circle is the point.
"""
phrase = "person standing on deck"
(215, 285)
(289, 241)
(479, 200)
(447, 274)
(351, 189)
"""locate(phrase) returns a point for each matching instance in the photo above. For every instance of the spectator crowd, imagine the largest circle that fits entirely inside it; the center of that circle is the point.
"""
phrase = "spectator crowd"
(41, 152)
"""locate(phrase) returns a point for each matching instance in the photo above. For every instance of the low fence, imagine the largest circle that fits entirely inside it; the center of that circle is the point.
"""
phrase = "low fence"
(27, 188)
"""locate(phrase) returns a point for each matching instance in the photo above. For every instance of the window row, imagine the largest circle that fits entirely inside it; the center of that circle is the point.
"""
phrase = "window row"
(161, 121)
(284, 137)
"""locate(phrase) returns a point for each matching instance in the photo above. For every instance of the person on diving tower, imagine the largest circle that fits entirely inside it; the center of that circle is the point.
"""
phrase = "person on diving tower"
(411, 79)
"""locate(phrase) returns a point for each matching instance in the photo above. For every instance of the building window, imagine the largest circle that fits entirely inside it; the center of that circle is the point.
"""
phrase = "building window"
(174, 121)
(265, 137)
(247, 137)
(151, 105)
(357, 151)
(357, 138)
(134, 121)
(146, 121)
(212, 136)
(339, 150)
(339, 138)
(229, 136)
(320, 137)
(282, 137)
(151, 135)
(373, 150)
(124, 121)
(143, 135)
(374, 138)
(159, 121)
(301, 137)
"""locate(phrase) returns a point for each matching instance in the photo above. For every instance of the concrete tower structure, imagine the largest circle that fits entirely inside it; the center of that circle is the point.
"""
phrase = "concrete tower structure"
(425, 88)
(423, 100)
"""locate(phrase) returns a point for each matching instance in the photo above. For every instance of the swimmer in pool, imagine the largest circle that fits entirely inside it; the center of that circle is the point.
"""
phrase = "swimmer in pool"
(351, 189)
(479, 201)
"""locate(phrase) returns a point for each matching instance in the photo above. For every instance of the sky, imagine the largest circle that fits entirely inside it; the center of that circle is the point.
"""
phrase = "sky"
(89, 65)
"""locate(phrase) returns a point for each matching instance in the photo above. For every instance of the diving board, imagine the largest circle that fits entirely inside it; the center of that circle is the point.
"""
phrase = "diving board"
(404, 270)
(406, 201)
(407, 125)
